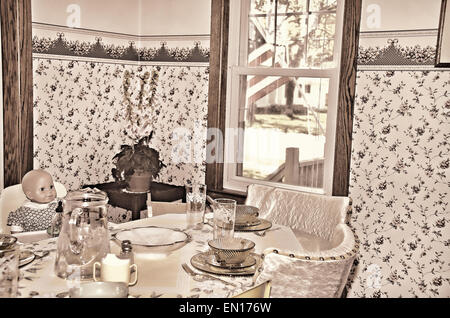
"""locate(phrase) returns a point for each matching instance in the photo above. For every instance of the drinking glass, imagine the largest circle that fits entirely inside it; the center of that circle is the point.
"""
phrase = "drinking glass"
(196, 201)
(9, 272)
(224, 218)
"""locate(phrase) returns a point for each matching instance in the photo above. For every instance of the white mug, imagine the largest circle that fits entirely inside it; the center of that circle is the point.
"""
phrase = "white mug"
(114, 269)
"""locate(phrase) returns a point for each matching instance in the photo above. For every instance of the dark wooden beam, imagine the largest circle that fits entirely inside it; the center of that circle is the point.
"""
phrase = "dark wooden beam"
(346, 100)
(443, 19)
(217, 88)
(17, 89)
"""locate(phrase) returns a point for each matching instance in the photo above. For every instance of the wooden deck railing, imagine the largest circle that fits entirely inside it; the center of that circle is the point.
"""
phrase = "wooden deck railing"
(308, 173)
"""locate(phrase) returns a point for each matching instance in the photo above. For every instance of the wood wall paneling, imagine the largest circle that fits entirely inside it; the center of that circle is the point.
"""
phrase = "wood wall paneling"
(17, 88)
(346, 100)
(442, 18)
(217, 87)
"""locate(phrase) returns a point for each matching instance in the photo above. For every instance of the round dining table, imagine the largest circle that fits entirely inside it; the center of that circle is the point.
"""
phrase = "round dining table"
(159, 274)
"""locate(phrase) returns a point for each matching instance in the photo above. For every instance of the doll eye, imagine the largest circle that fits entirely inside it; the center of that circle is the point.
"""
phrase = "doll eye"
(51, 187)
(42, 189)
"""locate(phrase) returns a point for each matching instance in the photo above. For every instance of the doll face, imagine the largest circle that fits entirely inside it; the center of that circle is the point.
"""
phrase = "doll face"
(43, 190)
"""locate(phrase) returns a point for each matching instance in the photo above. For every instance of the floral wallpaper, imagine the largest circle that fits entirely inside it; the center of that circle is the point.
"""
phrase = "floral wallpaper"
(80, 121)
(400, 184)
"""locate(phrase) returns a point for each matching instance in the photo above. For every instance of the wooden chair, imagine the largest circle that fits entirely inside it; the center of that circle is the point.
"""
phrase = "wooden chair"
(159, 208)
(260, 291)
(13, 197)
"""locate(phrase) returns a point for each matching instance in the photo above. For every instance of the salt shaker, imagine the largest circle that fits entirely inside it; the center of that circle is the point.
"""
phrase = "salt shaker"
(127, 251)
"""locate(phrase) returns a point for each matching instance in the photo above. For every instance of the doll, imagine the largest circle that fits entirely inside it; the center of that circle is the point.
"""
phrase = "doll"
(37, 211)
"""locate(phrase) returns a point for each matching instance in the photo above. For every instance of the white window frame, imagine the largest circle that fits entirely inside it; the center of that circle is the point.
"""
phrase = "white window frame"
(237, 48)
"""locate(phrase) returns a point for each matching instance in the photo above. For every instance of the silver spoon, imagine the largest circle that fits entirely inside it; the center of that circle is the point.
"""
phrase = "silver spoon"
(62, 295)
(211, 201)
(202, 277)
(263, 233)
(42, 254)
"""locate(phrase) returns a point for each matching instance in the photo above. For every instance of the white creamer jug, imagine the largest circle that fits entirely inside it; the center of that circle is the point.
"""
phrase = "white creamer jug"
(114, 269)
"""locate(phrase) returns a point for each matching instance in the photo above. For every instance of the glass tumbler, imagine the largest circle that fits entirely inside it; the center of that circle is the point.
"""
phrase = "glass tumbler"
(196, 201)
(224, 218)
(9, 272)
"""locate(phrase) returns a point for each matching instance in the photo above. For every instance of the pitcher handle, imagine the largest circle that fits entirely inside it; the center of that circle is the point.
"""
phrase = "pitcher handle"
(136, 274)
(75, 245)
(94, 270)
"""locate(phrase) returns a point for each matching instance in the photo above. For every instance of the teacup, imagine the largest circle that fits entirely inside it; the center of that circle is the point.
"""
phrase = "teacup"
(231, 251)
(246, 214)
(114, 269)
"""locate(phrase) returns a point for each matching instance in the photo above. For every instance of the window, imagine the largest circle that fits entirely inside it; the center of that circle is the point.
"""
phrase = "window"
(282, 93)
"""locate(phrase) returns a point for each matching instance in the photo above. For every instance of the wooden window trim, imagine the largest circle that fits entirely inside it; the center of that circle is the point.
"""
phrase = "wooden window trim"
(17, 70)
(217, 87)
(346, 97)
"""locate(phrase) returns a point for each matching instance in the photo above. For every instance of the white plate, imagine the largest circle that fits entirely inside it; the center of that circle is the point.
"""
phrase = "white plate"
(153, 239)
(200, 261)
(249, 261)
(26, 257)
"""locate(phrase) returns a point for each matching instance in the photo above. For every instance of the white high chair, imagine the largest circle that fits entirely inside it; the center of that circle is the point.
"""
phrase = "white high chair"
(13, 197)
(329, 247)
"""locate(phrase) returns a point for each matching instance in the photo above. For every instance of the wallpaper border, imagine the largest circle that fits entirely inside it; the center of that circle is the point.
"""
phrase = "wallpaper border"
(398, 50)
(58, 41)
(60, 46)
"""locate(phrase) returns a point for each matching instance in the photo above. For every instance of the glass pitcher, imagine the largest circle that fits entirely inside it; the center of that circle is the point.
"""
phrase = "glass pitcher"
(84, 236)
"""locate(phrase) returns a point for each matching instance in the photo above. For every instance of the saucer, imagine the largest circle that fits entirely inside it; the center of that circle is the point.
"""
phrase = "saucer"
(248, 223)
(200, 261)
(26, 257)
(249, 261)
(262, 226)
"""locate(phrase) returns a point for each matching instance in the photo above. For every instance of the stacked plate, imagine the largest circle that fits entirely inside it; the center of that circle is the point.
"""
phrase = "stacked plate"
(230, 256)
(8, 241)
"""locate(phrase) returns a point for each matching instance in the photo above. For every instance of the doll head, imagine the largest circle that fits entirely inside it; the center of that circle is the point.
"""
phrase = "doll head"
(38, 186)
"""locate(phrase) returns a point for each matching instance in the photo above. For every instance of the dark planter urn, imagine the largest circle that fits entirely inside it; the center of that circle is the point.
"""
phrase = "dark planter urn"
(139, 182)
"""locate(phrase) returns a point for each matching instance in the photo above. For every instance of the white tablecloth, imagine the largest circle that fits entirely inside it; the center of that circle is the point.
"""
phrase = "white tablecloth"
(158, 276)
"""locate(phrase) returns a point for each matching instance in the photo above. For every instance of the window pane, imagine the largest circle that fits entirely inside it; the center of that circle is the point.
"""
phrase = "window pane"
(261, 37)
(291, 36)
(321, 40)
(286, 34)
(322, 5)
(284, 122)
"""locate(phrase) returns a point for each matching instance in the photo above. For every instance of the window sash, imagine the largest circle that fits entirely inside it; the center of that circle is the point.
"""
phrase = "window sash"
(288, 72)
(237, 66)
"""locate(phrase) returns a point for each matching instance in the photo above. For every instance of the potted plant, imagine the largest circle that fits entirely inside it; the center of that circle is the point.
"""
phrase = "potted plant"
(137, 165)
